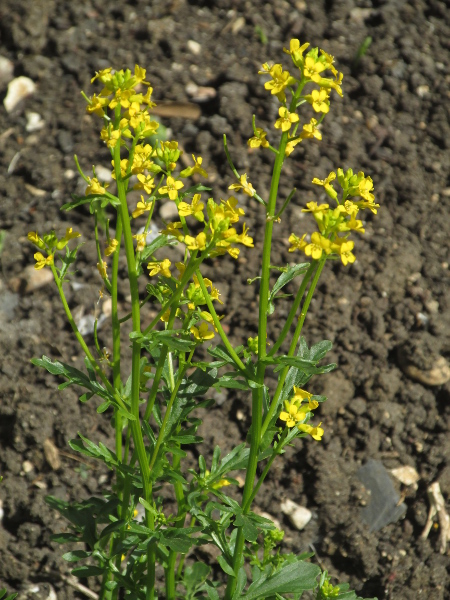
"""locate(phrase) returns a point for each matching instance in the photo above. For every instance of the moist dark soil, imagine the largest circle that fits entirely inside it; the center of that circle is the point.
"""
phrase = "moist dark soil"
(387, 315)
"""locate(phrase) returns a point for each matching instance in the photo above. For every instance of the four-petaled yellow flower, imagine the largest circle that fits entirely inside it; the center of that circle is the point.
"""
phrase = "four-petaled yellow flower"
(327, 184)
(318, 245)
(173, 229)
(244, 185)
(315, 432)
(159, 266)
(280, 80)
(313, 207)
(286, 119)
(171, 188)
(310, 131)
(141, 207)
(259, 139)
(146, 182)
(195, 208)
(197, 243)
(42, 261)
(293, 414)
(202, 333)
(95, 187)
(232, 211)
(344, 249)
(319, 100)
(297, 243)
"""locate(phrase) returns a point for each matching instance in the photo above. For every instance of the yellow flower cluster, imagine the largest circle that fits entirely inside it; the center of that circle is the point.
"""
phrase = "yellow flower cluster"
(49, 243)
(340, 220)
(310, 69)
(296, 413)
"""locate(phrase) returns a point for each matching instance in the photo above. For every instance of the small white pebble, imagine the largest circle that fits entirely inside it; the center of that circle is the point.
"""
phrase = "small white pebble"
(194, 47)
(298, 515)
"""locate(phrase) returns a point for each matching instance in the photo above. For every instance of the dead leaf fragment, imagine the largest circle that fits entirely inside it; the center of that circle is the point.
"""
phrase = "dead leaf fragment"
(51, 453)
(406, 475)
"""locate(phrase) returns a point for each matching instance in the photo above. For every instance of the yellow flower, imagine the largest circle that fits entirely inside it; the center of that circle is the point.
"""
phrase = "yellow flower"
(139, 75)
(141, 207)
(197, 168)
(327, 184)
(296, 51)
(140, 239)
(259, 139)
(310, 131)
(111, 248)
(355, 224)
(344, 249)
(280, 80)
(96, 105)
(35, 239)
(365, 188)
(292, 415)
(231, 212)
(195, 208)
(313, 207)
(197, 243)
(146, 183)
(243, 238)
(244, 185)
(297, 243)
(102, 266)
(315, 432)
(42, 261)
(202, 333)
(172, 229)
(286, 119)
(171, 188)
(318, 245)
(104, 75)
(290, 146)
(319, 100)
(160, 266)
(329, 61)
(300, 395)
(181, 268)
(313, 66)
(70, 234)
(95, 187)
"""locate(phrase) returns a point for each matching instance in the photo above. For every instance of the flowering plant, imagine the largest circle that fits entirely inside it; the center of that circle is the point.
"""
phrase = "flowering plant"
(131, 543)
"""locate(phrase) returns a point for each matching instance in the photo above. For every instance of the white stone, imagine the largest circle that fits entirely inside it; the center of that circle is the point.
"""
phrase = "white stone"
(34, 121)
(298, 515)
(194, 47)
(406, 475)
(18, 89)
(103, 173)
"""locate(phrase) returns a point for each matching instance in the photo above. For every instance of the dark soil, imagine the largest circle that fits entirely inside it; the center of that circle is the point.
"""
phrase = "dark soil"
(388, 311)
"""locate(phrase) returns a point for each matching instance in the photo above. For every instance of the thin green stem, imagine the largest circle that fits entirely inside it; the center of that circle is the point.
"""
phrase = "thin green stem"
(298, 330)
(223, 336)
(294, 308)
(135, 367)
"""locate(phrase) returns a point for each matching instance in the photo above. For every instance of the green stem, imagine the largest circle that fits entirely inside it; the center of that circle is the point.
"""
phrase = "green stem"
(283, 374)
(276, 452)
(218, 326)
(294, 308)
(135, 368)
